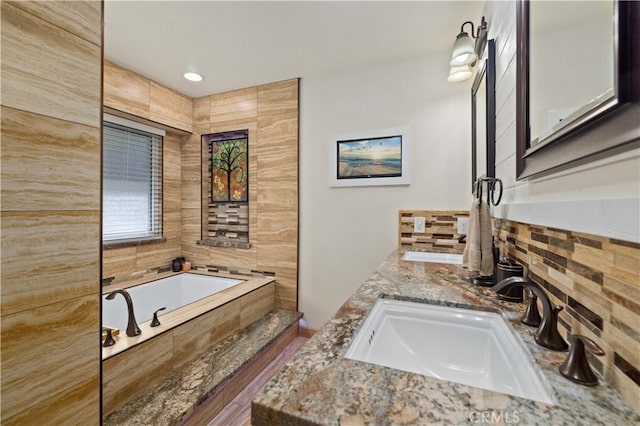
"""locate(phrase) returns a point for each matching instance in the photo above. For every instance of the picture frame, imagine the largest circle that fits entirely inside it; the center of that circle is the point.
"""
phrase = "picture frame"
(371, 158)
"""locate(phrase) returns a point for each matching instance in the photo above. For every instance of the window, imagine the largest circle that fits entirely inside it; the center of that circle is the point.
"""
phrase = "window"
(132, 184)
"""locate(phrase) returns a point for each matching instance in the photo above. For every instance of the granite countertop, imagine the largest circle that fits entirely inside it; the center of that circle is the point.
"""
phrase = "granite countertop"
(320, 386)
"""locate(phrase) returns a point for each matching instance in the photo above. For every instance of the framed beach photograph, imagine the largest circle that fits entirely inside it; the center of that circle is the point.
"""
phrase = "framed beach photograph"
(371, 158)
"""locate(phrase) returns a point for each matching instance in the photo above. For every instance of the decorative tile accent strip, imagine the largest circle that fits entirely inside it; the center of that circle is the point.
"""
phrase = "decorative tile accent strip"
(597, 280)
(627, 368)
(441, 231)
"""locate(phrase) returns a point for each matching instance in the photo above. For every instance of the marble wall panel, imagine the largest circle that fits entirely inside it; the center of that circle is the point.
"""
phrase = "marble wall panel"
(48, 148)
(46, 350)
(77, 405)
(126, 91)
(77, 17)
(48, 257)
(129, 373)
(236, 105)
(170, 107)
(47, 70)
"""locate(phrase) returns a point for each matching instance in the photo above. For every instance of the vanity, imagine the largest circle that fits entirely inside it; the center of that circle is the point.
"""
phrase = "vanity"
(321, 386)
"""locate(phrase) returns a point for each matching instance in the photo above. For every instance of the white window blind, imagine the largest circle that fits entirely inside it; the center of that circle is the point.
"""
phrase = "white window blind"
(131, 184)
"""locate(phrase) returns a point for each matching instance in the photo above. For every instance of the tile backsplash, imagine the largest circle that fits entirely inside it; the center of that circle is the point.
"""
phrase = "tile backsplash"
(441, 231)
(597, 281)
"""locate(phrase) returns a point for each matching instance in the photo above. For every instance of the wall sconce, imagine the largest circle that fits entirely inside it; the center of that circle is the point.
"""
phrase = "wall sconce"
(465, 52)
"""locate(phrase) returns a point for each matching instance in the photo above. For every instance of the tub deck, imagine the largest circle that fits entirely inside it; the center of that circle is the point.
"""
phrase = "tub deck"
(176, 398)
(175, 318)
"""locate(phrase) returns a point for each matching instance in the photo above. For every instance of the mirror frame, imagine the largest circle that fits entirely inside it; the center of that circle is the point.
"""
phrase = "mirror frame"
(487, 71)
(607, 128)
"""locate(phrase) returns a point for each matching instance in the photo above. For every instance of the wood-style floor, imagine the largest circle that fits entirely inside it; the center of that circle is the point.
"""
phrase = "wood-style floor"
(238, 411)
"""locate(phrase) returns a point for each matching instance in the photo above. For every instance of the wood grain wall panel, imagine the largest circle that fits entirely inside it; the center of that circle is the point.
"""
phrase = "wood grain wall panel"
(46, 350)
(131, 372)
(77, 17)
(170, 107)
(201, 113)
(236, 105)
(48, 148)
(257, 304)
(48, 257)
(119, 263)
(126, 91)
(48, 70)
(193, 338)
(77, 405)
(50, 219)
(270, 113)
(286, 288)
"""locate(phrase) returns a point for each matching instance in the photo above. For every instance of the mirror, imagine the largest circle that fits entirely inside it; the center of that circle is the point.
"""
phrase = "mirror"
(483, 118)
(578, 82)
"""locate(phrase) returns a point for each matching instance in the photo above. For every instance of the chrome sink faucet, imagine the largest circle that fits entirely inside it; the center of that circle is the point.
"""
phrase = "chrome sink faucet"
(132, 325)
(547, 334)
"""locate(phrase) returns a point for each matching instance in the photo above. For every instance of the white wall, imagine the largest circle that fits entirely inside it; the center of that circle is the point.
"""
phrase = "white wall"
(602, 198)
(346, 232)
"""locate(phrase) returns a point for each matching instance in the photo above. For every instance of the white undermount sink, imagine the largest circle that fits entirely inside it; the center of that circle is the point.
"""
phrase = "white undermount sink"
(423, 256)
(475, 348)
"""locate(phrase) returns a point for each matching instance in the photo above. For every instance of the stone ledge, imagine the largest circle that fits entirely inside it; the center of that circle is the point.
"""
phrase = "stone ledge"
(175, 398)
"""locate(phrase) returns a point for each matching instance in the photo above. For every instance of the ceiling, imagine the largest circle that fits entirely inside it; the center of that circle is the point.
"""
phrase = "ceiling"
(240, 44)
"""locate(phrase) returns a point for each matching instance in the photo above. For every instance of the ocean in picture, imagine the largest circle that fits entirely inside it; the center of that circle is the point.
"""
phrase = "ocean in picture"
(370, 158)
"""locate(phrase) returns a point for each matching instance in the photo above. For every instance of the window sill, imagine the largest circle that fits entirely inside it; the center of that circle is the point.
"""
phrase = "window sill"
(134, 242)
(234, 244)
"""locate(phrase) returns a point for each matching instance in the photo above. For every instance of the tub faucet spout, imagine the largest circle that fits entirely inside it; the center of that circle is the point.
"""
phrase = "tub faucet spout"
(547, 334)
(132, 325)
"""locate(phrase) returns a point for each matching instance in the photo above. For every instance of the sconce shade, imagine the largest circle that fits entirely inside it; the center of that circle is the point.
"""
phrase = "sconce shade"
(458, 74)
(463, 51)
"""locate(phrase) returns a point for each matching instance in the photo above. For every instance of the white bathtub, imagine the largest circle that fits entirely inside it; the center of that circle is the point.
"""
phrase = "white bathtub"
(173, 292)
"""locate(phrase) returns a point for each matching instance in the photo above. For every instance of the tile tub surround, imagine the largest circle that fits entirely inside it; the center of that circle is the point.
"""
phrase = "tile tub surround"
(134, 364)
(441, 231)
(176, 397)
(320, 386)
(597, 280)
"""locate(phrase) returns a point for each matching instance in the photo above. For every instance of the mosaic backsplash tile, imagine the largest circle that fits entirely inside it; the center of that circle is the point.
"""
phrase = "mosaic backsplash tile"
(441, 231)
(597, 281)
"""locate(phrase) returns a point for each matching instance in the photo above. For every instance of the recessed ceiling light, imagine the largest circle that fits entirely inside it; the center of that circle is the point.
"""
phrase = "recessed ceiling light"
(192, 76)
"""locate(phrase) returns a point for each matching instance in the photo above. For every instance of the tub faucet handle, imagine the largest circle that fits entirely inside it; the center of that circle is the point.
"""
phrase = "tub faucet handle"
(109, 340)
(155, 322)
(576, 366)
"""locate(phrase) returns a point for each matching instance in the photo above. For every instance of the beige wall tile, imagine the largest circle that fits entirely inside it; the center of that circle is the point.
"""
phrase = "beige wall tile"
(193, 338)
(60, 157)
(47, 350)
(61, 82)
(236, 105)
(118, 263)
(131, 372)
(201, 113)
(125, 90)
(280, 98)
(286, 288)
(48, 257)
(77, 405)
(256, 304)
(170, 107)
(77, 17)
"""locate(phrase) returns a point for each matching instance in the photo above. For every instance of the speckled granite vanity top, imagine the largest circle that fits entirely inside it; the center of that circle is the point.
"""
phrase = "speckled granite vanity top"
(320, 386)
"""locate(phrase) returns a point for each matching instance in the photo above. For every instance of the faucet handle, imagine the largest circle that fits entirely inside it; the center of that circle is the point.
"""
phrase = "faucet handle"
(155, 322)
(531, 316)
(576, 367)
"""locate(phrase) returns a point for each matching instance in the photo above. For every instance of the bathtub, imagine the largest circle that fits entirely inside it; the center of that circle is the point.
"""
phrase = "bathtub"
(172, 292)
